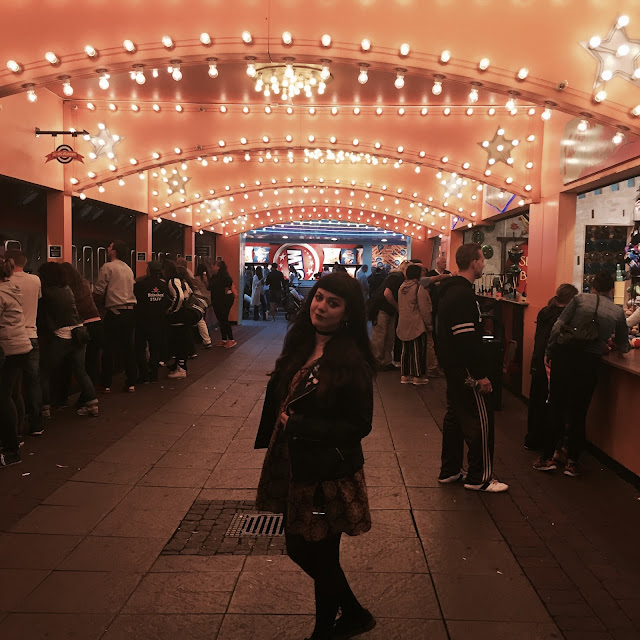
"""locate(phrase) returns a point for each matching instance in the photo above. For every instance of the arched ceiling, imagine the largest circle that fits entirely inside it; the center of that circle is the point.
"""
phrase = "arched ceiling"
(403, 158)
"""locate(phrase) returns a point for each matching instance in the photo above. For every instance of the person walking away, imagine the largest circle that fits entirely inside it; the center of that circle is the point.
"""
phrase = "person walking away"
(31, 292)
(152, 302)
(92, 321)
(15, 346)
(469, 416)
(178, 338)
(275, 282)
(202, 288)
(575, 365)
(222, 297)
(414, 324)
(294, 277)
(538, 410)
(361, 277)
(375, 280)
(317, 409)
(115, 283)
(384, 328)
(257, 295)
(64, 337)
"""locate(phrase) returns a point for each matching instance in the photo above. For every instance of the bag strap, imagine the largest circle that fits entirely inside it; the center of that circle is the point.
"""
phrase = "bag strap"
(595, 313)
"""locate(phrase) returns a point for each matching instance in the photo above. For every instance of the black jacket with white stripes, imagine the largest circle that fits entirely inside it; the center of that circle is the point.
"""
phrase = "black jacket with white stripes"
(459, 345)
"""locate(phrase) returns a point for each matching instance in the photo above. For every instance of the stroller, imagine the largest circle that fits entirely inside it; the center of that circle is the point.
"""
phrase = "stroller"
(292, 303)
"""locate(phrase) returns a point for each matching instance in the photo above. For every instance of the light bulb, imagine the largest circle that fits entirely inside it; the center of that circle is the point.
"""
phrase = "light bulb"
(469, 111)
(617, 138)
(447, 111)
(511, 104)
(67, 89)
(129, 46)
(135, 107)
(213, 70)
(483, 65)
(91, 106)
(583, 125)
(437, 88)
(606, 75)
(246, 37)
(140, 77)
(623, 21)
(176, 74)
(356, 142)
(404, 49)
(12, 65)
(205, 38)
(156, 108)
(31, 96)
(445, 56)
(523, 73)
(155, 73)
(636, 110)
(595, 42)
(101, 188)
(363, 76)
(287, 38)
(399, 83)
(365, 45)
(90, 51)
(251, 70)
(326, 40)
(167, 41)
(104, 81)
(546, 114)
(179, 108)
(113, 107)
(473, 95)
(51, 57)
(623, 50)
(424, 111)
(600, 96)
(325, 73)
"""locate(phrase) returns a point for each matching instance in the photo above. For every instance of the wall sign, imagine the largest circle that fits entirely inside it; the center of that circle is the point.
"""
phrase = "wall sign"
(189, 258)
(55, 251)
(64, 154)
(203, 252)
(141, 256)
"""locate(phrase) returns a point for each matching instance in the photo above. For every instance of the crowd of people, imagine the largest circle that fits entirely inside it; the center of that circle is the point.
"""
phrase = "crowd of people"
(56, 329)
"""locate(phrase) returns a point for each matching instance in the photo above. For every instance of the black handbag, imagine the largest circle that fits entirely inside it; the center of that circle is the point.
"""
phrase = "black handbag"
(582, 334)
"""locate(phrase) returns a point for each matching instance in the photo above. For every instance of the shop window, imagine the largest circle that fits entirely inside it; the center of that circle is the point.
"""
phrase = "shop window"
(597, 192)
(631, 182)
(615, 187)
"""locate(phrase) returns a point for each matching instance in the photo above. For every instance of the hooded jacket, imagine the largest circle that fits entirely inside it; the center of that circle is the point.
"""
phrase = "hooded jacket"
(459, 329)
(13, 334)
(414, 311)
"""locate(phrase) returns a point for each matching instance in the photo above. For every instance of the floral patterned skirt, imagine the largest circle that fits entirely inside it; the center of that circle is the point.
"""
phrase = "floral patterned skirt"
(312, 510)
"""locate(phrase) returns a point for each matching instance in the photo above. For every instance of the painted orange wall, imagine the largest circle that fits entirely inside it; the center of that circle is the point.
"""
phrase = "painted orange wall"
(23, 155)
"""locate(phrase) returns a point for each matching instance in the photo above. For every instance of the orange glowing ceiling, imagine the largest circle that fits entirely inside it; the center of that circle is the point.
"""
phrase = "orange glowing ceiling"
(447, 98)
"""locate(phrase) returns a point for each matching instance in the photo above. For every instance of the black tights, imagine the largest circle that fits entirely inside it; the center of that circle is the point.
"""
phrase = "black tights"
(321, 561)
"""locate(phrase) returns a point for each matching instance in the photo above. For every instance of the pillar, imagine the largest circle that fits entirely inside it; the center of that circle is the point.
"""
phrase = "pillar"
(228, 248)
(59, 227)
(551, 256)
(455, 240)
(143, 243)
(189, 246)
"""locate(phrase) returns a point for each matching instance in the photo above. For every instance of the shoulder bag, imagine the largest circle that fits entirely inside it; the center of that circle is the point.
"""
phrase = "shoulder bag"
(583, 333)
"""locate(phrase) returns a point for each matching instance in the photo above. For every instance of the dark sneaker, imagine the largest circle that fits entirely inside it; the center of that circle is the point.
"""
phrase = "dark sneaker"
(573, 469)
(7, 458)
(560, 456)
(350, 626)
(541, 464)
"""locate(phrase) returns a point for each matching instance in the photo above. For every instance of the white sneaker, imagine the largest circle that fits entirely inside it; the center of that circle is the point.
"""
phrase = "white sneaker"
(493, 486)
(406, 379)
(178, 373)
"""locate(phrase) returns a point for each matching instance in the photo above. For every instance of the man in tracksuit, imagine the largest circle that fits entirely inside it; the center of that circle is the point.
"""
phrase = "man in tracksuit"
(469, 415)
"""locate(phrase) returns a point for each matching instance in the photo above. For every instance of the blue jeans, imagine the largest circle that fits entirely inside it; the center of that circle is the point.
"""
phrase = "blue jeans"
(57, 351)
(31, 378)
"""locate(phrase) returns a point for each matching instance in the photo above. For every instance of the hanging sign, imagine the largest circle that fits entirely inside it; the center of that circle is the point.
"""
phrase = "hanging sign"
(64, 154)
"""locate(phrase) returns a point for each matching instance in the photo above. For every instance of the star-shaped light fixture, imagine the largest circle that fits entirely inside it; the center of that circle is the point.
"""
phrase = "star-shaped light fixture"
(104, 143)
(172, 183)
(617, 55)
(499, 148)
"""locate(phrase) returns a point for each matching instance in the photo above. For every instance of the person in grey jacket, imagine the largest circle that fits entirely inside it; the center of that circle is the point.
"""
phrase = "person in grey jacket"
(15, 346)
(575, 368)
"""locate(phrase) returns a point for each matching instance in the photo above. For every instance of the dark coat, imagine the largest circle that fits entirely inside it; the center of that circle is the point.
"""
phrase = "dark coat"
(323, 438)
(544, 324)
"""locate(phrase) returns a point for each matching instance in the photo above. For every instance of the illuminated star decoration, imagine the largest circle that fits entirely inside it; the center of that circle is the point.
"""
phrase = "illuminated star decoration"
(453, 185)
(104, 143)
(617, 55)
(499, 148)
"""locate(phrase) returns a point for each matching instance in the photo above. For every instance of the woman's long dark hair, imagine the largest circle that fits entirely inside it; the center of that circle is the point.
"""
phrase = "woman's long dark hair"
(259, 272)
(346, 352)
(74, 279)
(52, 275)
(223, 270)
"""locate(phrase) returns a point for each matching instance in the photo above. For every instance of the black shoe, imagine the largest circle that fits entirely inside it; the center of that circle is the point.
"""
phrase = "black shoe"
(348, 626)
(7, 458)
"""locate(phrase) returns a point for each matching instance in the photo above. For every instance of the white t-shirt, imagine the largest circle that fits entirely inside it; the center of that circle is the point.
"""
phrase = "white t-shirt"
(31, 290)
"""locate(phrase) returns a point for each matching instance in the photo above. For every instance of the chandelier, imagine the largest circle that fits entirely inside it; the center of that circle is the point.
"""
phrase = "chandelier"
(289, 80)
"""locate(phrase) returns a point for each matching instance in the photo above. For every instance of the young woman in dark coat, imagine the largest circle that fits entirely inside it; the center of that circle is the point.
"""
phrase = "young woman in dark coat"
(318, 407)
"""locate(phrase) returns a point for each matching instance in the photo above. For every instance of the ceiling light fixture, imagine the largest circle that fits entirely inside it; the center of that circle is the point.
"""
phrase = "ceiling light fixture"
(483, 65)
(363, 76)
(51, 58)
(326, 40)
(437, 85)
(445, 56)
(365, 44)
(167, 42)
(399, 81)
(213, 67)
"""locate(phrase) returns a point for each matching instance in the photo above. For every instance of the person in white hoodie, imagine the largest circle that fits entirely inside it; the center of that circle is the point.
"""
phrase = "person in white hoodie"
(414, 327)
(14, 346)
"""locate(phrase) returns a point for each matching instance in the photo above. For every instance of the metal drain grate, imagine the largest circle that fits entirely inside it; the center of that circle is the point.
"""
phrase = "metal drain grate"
(256, 525)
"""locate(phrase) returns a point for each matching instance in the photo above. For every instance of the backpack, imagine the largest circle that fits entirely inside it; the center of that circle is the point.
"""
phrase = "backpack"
(194, 308)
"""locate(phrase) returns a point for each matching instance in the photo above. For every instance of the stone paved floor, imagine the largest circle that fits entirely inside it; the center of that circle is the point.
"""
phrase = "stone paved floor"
(83, 532)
